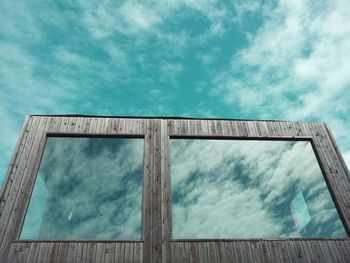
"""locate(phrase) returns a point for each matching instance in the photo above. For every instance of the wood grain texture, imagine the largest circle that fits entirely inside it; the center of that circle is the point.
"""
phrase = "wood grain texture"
(165, 193)
(261, 251)
(6, 187)
(156, 195)
(157, 244)
(12, 210)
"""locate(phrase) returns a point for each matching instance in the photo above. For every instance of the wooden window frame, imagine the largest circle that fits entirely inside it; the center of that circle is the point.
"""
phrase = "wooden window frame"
(252, 138)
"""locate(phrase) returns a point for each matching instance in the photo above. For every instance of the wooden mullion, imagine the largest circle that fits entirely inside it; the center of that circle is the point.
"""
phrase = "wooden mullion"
(147, 197)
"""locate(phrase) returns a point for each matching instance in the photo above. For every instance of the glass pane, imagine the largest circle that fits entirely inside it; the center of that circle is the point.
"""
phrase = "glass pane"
(249, 189)
(87, 188)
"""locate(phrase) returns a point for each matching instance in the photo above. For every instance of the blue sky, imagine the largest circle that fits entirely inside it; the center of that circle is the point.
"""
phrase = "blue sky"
(229, 59)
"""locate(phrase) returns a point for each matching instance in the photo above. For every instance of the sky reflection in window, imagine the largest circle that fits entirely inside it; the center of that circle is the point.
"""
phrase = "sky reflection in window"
(87, 188)
(249, 189)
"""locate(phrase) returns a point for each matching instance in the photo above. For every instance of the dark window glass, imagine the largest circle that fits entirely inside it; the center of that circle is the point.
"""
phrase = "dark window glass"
(87, 188)
(249, 189)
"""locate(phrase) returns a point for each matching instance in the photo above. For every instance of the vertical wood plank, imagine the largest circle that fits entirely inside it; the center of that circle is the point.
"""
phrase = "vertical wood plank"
(203, 252)
(257, 251)
(32, 253)
(62, 252)
(114, 125)
(100, 252)
(238, 251)
(137, 252)
(156, 196)
(277, 128)
(110, 251)
(206, 128)
(72, 252)
(91, 252)
(308, 251)
(325, 251)
(265, 252)
(13, 253)
(43, 252)
(274, 251)
(232, 128)
(117, 253)
(300, 251)
(334, 251)
(107, 127)
(93, 126)
(53, 252)
(121, 254)
(23, 250)
(251, 129)
(165, 193)
(292, 253)
(218, 125)
(194, 252)
(212, 252)
(129, 253)
(229, 253)
(247, 252)
(283, 251)
(79, 252)
(220, 252)
(343, 250)
(79, 125)
(147, 196)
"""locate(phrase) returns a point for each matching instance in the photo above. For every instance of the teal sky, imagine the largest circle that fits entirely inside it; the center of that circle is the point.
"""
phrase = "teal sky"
(284, 60)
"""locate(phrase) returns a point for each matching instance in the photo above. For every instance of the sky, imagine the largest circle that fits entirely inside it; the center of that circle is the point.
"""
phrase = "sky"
(285, 60)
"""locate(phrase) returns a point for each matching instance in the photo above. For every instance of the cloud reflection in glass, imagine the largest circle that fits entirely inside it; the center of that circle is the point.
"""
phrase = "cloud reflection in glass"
(248, 189)
(87, 188)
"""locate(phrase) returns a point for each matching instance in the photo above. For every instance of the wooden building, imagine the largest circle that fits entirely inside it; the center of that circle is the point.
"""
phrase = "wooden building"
(45, 230)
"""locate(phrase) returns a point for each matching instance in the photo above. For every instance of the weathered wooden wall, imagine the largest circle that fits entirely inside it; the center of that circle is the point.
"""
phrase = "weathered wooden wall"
(317, 251)
(156, 244)
(76, 252)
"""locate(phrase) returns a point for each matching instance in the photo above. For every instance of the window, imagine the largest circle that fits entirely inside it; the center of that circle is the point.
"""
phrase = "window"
(87, 188)
(249, 189)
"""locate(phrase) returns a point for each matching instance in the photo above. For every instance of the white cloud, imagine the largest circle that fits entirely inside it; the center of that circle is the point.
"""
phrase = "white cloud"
(295, 67)
(108, 18)
(68, 57)
(138, 16)
(12, 27)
